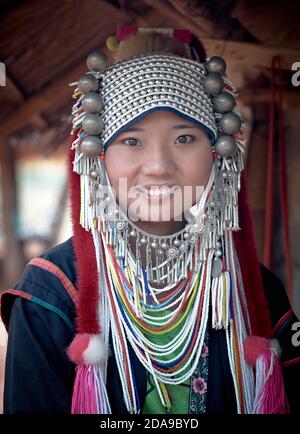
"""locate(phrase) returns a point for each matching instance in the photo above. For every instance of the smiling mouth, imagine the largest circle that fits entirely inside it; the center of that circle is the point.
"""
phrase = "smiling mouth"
(156, 192)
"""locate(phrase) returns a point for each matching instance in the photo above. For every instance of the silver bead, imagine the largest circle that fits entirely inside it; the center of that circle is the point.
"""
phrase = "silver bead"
(186, 236)
(226, 146)
(164, 245)
(218, 253)
(108, 199)
(91, 146)
(176, 243)
(183, 247)
(92, 102)
(160, 252)
(132, 233)
(193, 240)
(216, 64)
(97, 61)
(230, 123)
(219, 244)
(224, 102)
(87, 83)
(143, 240)
(92, 124)
(121, 226)
(213, 83)
(153, 245)
(94, 174)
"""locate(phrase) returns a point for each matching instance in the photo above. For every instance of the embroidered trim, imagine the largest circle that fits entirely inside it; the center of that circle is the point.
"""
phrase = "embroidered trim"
(29, 297)
(282, 322)
(54, 269)
(198, 385)
(54, 309)
(291, 362)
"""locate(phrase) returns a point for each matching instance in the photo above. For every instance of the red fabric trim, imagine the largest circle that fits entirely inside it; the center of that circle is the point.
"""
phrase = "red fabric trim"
(16, 292)
(86, 266)
(124, 31)
(182, 35)
(54, 269)
(282, 320)
(247, 254)
(291, 362)
(3, 305)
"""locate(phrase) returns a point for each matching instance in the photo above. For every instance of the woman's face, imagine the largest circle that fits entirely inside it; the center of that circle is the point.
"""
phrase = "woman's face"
(162, 160)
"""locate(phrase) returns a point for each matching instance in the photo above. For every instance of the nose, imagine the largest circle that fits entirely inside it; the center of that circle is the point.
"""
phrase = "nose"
(159, 161)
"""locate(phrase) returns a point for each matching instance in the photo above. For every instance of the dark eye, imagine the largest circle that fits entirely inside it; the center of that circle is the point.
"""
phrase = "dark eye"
(131, 141)
(186, 138)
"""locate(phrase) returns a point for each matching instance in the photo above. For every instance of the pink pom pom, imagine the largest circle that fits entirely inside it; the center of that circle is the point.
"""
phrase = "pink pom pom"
(254, 347)
(77, 347)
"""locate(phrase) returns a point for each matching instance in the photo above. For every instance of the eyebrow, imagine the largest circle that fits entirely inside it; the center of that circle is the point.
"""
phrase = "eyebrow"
(132, 129)
(175, 127)
(179, 127)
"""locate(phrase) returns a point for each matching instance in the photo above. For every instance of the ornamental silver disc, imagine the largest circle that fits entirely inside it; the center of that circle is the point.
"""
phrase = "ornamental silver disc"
(121, 225)
(172, 253)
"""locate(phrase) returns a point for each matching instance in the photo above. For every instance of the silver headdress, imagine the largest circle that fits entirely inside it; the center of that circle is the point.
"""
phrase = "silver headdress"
(110, 99)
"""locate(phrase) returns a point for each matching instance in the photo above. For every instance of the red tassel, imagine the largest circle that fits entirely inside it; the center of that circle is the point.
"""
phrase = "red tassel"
(89, 393)
(270, 396)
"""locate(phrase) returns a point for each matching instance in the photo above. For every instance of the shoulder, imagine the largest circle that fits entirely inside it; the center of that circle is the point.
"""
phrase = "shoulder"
(48, 281)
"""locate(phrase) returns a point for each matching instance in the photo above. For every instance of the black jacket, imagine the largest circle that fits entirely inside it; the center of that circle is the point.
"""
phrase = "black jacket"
(40, 316)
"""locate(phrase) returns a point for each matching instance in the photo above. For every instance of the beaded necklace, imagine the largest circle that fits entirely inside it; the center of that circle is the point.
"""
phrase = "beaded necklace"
(131, 303)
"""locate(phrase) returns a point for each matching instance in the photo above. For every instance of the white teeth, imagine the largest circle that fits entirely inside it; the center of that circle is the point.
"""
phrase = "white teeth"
(160, 191)
(155, 192)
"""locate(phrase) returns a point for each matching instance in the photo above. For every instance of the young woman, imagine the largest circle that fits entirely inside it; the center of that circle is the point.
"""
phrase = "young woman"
(161, 282)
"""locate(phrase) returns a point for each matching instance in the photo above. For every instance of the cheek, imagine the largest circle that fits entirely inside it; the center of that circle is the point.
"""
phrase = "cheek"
(197, 167)
(118, 166)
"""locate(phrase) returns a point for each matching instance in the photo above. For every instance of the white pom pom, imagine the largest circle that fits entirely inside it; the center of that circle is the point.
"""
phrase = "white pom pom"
(97, 351)
(275, 346)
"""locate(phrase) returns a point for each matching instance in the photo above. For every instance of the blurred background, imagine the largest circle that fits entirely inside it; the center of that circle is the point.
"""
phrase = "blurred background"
(43, 47)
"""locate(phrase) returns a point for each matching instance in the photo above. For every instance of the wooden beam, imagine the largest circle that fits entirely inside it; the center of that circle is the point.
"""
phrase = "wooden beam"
(43, 100)
(214, 19)
(18, 97)
(58, 92)
(165, 9)
(203, 24)
(239, 53)
(13, 261)
(254, 95)
(251, 54)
